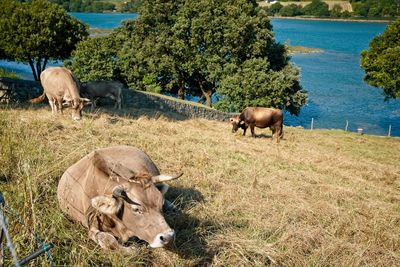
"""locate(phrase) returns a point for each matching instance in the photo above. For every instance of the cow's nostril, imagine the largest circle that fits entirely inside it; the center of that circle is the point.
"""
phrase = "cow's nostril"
(162, 238)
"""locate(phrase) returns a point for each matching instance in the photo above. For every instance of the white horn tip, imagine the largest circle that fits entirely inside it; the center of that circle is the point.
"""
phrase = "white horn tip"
(163, 177)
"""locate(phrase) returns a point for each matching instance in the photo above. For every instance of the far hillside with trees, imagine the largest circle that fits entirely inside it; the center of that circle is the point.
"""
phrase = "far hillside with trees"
(365, 9)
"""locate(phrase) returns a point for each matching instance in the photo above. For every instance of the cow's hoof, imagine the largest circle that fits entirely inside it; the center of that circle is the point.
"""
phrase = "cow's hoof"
(107, 241)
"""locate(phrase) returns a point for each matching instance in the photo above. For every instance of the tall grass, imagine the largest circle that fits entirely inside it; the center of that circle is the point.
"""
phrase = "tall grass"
(317, 198)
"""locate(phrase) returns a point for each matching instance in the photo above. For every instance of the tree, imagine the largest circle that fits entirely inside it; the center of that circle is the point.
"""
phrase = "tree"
(336, 11)
(317, 8)
(382, 61)
(36, 32)
(291, 10)
(274, 9)
(96, 59)
(193, 47)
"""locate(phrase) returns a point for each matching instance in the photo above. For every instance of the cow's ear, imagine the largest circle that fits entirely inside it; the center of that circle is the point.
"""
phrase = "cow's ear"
(106, 205)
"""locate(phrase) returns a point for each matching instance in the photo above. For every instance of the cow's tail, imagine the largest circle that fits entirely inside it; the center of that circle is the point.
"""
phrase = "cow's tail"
(38, 99)
(281, 131)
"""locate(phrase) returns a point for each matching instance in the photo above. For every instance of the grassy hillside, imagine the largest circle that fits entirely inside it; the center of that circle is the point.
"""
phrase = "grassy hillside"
(345, 5)
(317, 198)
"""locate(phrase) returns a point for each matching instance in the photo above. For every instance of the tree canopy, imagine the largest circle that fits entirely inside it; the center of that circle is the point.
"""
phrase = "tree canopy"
(95, 59)
(36, 32)
(381, 61)
(210, 48)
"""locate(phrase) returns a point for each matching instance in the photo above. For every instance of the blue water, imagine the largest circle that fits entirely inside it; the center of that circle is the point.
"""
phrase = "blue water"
(333, 78)
(104, 20)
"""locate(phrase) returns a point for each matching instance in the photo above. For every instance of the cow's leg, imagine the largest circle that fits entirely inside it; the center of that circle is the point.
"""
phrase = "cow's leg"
(119, 99)
(273, 129)
(59, 106)
(117, 102)
(52, 105)
(279, 133)
(244, 131)
(252, 130)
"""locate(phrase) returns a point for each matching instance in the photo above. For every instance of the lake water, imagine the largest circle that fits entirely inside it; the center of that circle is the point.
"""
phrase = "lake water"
(333, 78)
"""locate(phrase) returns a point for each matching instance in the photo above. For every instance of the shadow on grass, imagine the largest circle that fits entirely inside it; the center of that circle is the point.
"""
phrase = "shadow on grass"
(268, 136)
(191, 232)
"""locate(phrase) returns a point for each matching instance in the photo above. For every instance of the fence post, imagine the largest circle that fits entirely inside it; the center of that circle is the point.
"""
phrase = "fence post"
(347, 126)
(390, 130)
(312, 123)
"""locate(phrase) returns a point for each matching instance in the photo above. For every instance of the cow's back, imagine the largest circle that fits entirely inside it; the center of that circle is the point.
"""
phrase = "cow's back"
(262, 117)
(59, 82)
(83, 180)
(102, 88)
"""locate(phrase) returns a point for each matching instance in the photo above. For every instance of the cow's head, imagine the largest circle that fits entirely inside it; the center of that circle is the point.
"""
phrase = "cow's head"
(136, 210)
(236, 123)
(77, 106)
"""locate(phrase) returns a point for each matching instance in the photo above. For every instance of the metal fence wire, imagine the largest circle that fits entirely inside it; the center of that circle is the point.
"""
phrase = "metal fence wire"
(4, 233)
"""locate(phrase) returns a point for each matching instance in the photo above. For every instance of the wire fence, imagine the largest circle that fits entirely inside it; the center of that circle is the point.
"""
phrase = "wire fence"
(43, 247)
(359, 130)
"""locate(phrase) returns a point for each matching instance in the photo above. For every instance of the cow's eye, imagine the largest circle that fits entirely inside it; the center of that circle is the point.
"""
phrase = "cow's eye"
(137, 210)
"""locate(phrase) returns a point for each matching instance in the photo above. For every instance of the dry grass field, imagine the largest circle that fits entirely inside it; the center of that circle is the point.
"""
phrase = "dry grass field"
(318, 198)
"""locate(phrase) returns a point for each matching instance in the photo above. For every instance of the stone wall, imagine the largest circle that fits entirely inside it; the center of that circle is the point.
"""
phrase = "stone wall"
(23, 90)
(186, 108)
(18, 90)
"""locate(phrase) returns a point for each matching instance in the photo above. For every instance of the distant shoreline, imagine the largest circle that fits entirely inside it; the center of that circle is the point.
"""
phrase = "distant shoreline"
(333, 19)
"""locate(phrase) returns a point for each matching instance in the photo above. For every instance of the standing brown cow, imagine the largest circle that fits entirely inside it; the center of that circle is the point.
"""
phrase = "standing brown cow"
(261, 118)
(62, 90)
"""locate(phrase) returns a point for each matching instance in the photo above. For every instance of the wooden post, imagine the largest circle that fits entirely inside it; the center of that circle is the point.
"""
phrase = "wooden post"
(312, 123)
(347, 125)
(390, 130)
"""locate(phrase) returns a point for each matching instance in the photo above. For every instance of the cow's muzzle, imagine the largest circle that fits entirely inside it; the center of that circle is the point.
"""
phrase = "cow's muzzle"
(163, 239)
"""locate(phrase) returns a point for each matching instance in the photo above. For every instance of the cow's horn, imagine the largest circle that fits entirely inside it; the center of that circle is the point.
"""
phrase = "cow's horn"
(163, 178)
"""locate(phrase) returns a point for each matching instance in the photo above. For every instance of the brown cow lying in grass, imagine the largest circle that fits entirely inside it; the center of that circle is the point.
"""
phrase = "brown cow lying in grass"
(62, 90)
(117, 193)
(261, 118)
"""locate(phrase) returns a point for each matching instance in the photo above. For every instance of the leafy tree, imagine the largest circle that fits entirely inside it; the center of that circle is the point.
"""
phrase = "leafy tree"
(254, 83)
(95, 59)
(373, 8)
(336, 11)
(193, 47)
(381, 62)
(291, 10)
(151, 49)
(274, 9)
(36, 32)
(131, 6)
(317, 8)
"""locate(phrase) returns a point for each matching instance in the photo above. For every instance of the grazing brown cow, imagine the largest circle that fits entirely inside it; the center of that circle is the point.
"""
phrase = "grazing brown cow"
(261, 118)
(62, 90)
(117, 193)
(96, 89)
